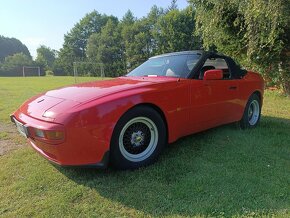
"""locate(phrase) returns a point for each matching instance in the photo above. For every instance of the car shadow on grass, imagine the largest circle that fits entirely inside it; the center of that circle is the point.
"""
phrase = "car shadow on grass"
(224, 171)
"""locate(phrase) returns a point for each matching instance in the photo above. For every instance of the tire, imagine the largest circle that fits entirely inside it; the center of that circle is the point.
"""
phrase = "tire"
(252, 113)
(138, 138)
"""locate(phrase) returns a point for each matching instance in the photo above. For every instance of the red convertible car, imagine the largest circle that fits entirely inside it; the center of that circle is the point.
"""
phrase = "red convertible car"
(127, 121)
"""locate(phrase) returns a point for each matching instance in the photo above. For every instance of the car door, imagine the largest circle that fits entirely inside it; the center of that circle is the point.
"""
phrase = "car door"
(213, 102)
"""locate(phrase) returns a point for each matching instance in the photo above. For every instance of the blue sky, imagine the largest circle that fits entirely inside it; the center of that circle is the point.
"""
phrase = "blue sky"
(36, 22)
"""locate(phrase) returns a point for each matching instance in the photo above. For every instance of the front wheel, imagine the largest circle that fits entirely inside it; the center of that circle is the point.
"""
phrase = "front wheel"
(138, 138)
(252, 112)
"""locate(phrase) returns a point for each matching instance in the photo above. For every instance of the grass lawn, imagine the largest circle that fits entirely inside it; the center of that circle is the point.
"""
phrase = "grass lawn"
(14, 91)
(221, 172)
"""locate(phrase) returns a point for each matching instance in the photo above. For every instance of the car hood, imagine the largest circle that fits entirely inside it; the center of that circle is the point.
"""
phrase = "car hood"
(93, 90)
(49, 105)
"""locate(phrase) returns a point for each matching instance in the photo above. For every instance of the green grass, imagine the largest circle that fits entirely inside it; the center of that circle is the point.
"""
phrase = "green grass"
(14, 91)
(221, 172)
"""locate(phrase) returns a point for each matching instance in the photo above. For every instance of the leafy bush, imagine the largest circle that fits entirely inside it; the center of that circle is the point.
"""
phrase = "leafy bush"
(49, 73)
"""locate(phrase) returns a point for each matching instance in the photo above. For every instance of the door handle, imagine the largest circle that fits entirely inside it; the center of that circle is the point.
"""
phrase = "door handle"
(232, 87)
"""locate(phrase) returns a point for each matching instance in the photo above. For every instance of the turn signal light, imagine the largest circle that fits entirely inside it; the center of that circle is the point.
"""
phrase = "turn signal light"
(49, 136)
(54, 135)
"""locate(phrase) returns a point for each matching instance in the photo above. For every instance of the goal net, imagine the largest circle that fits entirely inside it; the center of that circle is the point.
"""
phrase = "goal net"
(85, 71)
(30, 71)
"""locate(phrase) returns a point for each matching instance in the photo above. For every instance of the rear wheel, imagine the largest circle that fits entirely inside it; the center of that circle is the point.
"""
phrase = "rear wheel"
(252, 112)
(138, 138)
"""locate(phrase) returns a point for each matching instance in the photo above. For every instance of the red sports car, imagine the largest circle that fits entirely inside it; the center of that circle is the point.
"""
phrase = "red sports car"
(127, 121)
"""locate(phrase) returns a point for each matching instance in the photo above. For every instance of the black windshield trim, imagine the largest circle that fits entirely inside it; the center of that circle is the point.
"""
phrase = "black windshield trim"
(178, 53)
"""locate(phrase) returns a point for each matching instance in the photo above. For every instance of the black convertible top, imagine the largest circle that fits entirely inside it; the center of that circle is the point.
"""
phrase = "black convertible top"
(235, 69)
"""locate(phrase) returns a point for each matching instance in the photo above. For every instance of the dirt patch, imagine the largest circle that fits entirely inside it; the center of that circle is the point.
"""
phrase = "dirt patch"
(10, 139)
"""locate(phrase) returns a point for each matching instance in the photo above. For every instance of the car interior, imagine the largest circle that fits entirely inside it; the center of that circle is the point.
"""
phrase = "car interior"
(215, 63)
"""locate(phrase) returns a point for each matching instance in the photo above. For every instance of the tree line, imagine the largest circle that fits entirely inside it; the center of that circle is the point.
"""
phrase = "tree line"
(123, 44)
(256, 33)
(14, 55)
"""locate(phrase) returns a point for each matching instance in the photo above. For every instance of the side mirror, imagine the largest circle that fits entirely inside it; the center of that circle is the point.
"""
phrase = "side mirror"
(213, 75)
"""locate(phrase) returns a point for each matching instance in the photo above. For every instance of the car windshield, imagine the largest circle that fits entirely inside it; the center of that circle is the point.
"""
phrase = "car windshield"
(171, 66)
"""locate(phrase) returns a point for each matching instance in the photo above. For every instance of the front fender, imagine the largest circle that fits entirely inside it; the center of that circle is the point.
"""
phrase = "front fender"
(101, 116)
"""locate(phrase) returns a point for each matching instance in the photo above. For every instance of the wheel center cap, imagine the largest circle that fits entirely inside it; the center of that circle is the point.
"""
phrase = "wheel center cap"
(250, 112)
(137, 138)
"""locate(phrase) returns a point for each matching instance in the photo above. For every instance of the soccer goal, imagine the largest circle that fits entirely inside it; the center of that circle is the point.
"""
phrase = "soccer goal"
(84, 69)
(30, 71)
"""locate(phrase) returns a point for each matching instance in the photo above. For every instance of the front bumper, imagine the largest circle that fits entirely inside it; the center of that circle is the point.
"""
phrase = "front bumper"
(80, 148)
(103, 164)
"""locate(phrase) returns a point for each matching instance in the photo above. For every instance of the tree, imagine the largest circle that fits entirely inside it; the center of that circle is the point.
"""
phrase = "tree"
(254, 32)
(106, 47)
(173, 6)
(175, 31)
(128, 18)
(45, 57)
(17, 60)
(137, 41)
(75, 42)
(138, 38)
(65, 60)
(80, 33)
(13, 64)
(11, 46)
